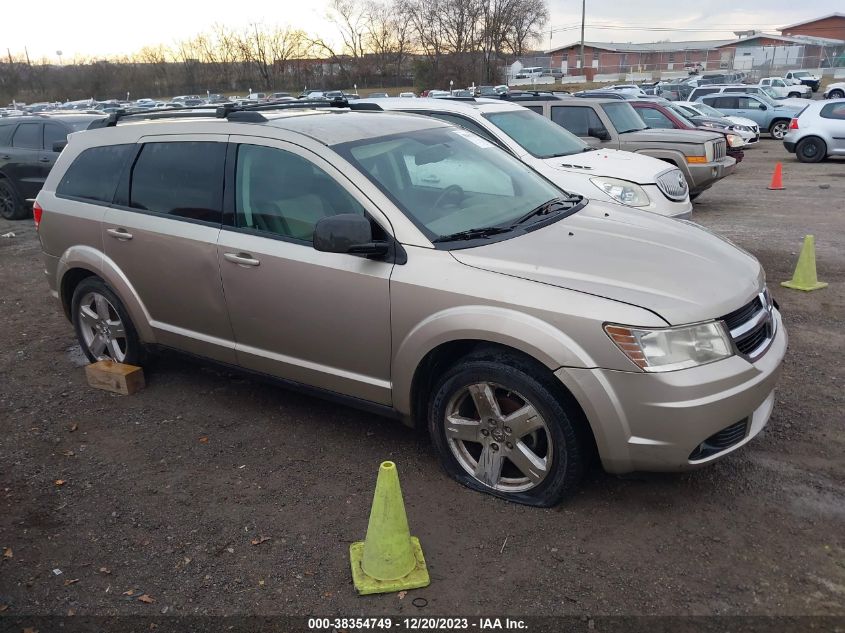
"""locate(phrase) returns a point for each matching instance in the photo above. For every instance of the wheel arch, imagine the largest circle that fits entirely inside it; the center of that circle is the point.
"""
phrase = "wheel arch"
(81, 262)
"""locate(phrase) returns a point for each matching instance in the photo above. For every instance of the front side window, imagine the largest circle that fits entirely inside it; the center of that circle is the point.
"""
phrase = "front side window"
(94, 174)
(465, 123)
(536, 134)
(624, 117)
(54, 133)
(182, 179)
(833, 111)
(447, 181)
(28, 136)
(284, 194)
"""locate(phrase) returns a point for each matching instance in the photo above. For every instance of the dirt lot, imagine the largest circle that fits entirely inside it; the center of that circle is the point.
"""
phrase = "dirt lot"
(165, 491)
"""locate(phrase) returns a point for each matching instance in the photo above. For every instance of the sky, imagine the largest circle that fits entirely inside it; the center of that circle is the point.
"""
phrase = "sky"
(103, 30)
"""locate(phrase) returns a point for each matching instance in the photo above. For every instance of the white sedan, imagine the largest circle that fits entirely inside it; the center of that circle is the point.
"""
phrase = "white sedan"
(835, 90)
(746, 128)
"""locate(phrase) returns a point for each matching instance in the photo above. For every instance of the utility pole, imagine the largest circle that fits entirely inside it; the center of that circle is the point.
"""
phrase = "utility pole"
(583, 13)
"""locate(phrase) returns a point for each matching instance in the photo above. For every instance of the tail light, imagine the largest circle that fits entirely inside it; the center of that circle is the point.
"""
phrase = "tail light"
(36, 214)
(793, 124)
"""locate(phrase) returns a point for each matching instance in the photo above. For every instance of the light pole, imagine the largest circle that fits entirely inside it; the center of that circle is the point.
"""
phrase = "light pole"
(583, 13)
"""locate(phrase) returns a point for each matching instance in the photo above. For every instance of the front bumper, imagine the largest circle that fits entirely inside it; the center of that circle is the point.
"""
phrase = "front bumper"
(705, 174)
(655, 421)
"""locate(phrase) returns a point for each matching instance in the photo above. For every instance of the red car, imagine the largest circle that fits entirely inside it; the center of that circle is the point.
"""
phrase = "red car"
(659, 115)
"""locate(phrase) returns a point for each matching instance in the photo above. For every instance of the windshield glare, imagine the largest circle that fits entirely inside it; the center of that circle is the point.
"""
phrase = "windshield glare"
(624, 117)
(536, 134)
(448, 180)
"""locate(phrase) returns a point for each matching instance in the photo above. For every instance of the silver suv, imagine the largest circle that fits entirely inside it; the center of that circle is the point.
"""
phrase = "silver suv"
(408, 267)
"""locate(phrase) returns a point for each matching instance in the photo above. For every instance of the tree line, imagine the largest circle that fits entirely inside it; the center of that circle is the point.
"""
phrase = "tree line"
(376, 44)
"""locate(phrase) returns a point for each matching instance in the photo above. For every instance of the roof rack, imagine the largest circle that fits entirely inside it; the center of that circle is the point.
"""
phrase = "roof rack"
(233, 112)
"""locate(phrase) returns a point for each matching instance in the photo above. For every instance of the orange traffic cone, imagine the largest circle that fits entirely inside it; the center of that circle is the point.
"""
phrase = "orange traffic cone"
(777, 177)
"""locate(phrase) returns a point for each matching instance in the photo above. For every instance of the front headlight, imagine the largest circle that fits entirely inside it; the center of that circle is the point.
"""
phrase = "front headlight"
(735, 141)
(668, 349)
(622, 191)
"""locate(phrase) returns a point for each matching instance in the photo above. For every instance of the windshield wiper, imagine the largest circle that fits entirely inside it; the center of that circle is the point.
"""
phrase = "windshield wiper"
(551, 206)
(474, 234)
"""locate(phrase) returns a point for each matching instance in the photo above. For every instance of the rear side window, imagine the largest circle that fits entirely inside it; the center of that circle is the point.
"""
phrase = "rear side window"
(27, 136)
(705, 91)
(833, 111)
(183, 179)
(577, 119)
(95, 173)
(6, 134)
(727, 103)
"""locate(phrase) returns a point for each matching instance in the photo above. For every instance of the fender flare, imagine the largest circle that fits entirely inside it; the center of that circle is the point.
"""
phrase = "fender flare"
(530, 335)
(95, 261)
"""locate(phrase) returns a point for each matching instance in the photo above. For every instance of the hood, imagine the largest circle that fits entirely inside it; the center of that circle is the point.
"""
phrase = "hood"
(612, 163)
(741, 120)
(669, 136)
(791, 104)
(676, 269)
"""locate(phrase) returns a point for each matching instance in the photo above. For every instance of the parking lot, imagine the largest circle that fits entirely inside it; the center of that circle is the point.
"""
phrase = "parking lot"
(213, 493)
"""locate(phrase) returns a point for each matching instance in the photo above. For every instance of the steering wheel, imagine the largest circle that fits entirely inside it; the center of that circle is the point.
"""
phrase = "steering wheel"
(452, 191)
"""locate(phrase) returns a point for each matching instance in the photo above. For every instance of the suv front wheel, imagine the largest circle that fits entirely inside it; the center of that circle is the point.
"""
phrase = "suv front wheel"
(499, 428)
(779, 129)
(102, 324)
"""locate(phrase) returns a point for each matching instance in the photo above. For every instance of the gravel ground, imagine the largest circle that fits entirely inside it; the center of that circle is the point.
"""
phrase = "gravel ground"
(167, 492)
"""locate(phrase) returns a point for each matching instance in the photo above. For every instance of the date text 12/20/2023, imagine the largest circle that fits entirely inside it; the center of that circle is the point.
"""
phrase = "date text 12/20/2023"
(415, 624)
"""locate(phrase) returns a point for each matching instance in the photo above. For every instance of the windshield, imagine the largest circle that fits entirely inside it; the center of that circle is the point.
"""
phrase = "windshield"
(624, 117)
(706, 110)
(768, 95)
(448, 180)
(536, 134)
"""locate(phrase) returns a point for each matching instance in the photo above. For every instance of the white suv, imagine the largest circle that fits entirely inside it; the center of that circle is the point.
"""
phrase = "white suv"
(608, 175)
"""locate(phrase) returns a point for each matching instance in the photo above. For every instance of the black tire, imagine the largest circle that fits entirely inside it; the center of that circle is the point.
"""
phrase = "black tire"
(795, 95)
(134, 353)
(693, 196)
(811, 149)
(562, 437)
(836, 94)
(11, 206)
(778, 129)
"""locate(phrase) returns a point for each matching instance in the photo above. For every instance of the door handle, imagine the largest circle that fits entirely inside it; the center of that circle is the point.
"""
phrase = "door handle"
(120, 234)
(5, 157)
(242, 259)
(44, 159)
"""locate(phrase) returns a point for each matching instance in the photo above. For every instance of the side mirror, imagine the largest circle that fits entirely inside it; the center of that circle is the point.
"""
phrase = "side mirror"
(763, 106)
(599, 132)
(58, 146)
(347, 233)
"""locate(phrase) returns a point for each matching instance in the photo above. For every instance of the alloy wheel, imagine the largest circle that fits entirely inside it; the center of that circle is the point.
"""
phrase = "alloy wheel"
(102, 329)
(498, 437)
(779, 130)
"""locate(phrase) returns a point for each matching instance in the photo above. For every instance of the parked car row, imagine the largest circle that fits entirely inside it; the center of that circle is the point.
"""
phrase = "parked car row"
(526, 327)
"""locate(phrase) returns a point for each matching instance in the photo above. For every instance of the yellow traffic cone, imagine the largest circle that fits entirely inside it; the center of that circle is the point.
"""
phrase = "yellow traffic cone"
(389, 558)
(805, 272)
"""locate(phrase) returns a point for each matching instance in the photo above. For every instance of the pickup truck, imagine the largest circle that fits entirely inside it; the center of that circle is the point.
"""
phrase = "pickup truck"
(612, 124)
(803, 77)
(784, 89)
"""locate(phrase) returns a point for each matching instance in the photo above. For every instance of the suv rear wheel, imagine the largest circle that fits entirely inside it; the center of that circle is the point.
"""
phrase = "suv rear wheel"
(102, 324)
(499, 428)
(811, 150)
(11, 207)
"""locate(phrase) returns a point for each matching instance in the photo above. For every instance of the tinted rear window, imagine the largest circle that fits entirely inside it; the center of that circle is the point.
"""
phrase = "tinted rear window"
(184, 179)
(95, 173)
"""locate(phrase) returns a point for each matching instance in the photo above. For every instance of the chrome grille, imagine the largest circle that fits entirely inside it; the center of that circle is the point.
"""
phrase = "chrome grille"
(673, 185)
(752, 326)
(720, 149)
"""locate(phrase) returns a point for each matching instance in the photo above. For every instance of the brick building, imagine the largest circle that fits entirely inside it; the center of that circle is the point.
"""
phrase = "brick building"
(610, 57)
(830, 26)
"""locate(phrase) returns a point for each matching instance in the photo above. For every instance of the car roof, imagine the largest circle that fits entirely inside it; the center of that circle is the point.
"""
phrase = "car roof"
(78, 117)
(327, 126)
(447, 105)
